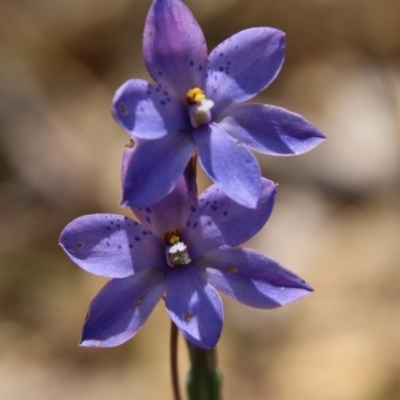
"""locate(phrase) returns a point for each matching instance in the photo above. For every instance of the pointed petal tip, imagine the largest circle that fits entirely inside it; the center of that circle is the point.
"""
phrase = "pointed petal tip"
(95, 344)
(202, 344)
(307, 286)
(123, 203)
(314, 142)
(250, 203)
(101, 343)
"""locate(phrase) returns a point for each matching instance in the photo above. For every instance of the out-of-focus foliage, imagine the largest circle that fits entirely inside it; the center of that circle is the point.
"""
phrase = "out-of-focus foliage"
(337, 210)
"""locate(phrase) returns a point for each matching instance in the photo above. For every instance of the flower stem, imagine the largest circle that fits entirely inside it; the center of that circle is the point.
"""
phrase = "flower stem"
(204, 378)
(174, 361)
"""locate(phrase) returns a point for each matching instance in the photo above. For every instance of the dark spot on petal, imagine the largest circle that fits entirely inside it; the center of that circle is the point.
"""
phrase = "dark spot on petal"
(119, 247)
(193, 208)
(200, 67)
(191, 63)
(126, 218)
(194, 225)
(139, 301)
(188, 317)
(148, 219)
(209, 222)
(163, 102)
(108, 244)
(130, 246)
(135, 223)
(112, 222)
(221, 68)
(79, 245)
(225, 213)
(221, 54)
(71, 252)
(122, 109)
(137, 239)
(187, 223)
(148, 210)
(232, 269)
(144, 233)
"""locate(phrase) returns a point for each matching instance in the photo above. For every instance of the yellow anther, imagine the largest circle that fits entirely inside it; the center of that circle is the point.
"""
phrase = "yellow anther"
(172, 237)
(195, 95)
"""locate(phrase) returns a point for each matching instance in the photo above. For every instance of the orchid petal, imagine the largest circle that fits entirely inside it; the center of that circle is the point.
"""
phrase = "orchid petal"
(219, 221)
(121, 308)
(194, 306)
(243, 65)
(155, 167)
(174, 48)
(229, 164)
(146, 111)
(172, 211)
(270, 130)
(252, 278)
(111, 245)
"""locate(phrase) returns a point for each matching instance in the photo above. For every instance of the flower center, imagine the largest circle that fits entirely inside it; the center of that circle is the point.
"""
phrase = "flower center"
(176, 249)
(195, 95)
(199, 107)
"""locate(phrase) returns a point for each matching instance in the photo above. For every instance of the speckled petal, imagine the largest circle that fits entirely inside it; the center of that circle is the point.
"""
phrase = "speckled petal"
(252, 278)
(270, 130)
(194, 306)
(217, 220)
(121, 308)
(146, 111)
(155, 167)
(244, 65)
(174, 48)
(229, 164)
(173, 210)
(111, 245)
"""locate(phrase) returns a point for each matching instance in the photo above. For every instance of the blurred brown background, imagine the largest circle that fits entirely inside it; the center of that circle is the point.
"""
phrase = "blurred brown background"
(336, 222)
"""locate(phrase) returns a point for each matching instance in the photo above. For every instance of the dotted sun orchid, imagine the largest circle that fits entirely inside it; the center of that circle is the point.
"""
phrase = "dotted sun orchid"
(182, 250)
(193, 105)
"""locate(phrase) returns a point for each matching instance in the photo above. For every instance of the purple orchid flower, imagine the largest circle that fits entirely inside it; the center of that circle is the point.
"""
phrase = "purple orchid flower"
(182, 249)
(193, 105)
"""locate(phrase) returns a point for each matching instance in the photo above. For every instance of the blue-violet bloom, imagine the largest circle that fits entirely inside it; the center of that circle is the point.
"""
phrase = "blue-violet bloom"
(193, 106)
(183, 249)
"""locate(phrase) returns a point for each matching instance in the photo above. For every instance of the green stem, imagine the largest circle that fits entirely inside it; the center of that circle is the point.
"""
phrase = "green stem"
(174, 361)
(204, 378)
